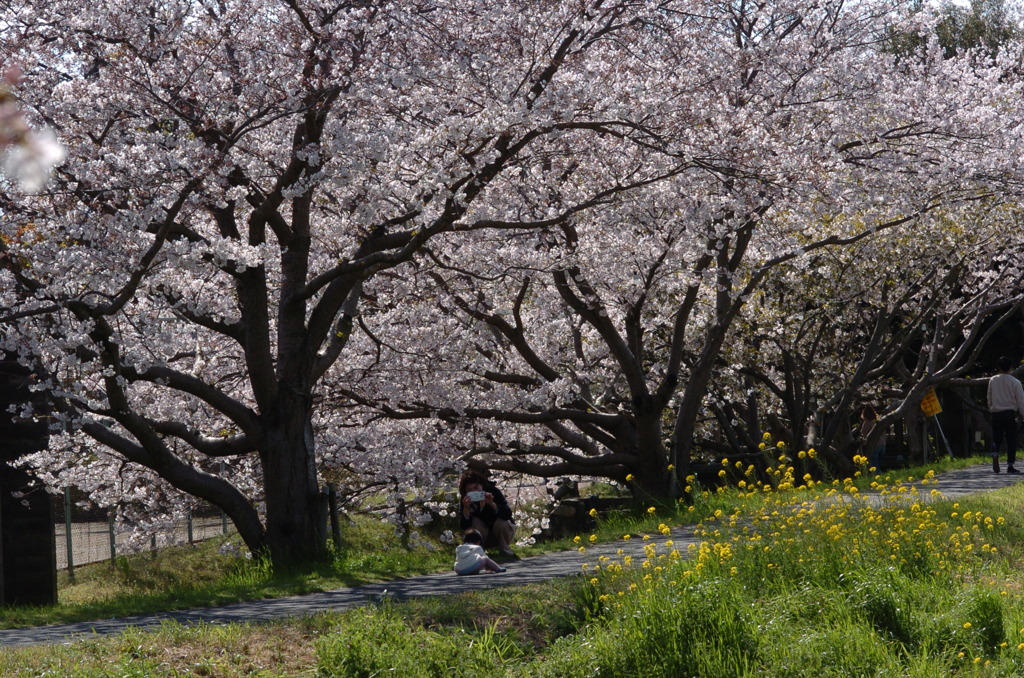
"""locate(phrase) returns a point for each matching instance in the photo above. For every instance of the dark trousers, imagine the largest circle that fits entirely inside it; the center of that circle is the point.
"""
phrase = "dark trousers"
(1004, 427)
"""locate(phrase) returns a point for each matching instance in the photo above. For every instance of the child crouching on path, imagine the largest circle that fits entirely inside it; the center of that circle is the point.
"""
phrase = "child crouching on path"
(470, 557)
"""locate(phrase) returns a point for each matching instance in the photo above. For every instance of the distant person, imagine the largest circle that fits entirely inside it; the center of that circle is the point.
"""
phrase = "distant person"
(485, 510)
(1006, 403)
(470, 557)
(872, 442)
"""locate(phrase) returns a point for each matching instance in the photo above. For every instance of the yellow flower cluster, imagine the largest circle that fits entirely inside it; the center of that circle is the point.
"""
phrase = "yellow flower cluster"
(795, 527)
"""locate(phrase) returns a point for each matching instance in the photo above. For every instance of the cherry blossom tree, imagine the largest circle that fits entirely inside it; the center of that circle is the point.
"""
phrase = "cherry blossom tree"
(240, 172)
(589, 347)
(392, 238)
(877, 323)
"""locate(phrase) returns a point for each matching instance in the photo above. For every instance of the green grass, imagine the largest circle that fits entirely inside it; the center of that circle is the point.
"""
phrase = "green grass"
(184, 577)
(896, 590)
(206, 574)
(199, 576)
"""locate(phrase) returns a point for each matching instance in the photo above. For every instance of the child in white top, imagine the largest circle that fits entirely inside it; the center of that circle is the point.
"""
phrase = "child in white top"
(470, 557)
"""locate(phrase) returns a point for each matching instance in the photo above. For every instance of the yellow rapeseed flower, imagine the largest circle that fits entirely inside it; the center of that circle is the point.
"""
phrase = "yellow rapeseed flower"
(629, 477)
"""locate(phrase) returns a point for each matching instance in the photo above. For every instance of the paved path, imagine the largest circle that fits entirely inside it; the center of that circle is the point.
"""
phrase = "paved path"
(535, 569)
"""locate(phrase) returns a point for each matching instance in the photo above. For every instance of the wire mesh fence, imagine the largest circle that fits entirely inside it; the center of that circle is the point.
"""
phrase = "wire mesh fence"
(83, 536)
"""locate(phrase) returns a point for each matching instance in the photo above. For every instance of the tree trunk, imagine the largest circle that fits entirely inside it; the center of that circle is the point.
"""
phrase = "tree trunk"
(914, 421)
(651, 476)
(690, 404)
(296, 509)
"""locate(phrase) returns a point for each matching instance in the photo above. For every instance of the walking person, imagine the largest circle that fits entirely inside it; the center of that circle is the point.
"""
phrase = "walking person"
(1006, 403)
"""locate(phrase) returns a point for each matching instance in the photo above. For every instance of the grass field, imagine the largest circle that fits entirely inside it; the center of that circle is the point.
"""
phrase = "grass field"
(790, 582)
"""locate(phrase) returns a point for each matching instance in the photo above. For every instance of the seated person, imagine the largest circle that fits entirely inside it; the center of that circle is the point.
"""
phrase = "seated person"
(470, 557)
(485, 510)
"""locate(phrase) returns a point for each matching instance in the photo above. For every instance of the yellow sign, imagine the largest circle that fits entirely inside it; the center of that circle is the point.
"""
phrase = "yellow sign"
(930, 403)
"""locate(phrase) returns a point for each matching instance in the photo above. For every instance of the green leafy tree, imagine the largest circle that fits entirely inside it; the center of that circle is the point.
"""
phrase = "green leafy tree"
(982, 28)
(984, 25)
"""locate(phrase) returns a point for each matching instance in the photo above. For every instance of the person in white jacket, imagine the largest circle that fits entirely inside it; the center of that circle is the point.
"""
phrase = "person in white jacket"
(1006, 403)
(470, 557)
